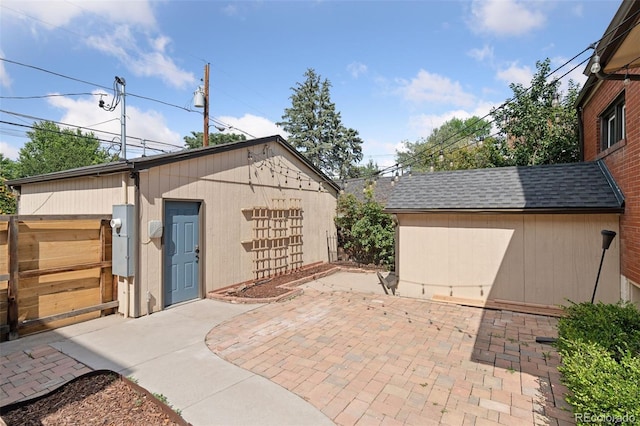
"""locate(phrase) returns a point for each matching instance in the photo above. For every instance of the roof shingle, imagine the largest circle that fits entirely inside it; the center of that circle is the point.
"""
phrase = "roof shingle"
(550, 188)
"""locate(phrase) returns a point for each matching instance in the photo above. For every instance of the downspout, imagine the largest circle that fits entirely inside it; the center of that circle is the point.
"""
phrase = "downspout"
(137, 281)
(580, 134)
(125, 189)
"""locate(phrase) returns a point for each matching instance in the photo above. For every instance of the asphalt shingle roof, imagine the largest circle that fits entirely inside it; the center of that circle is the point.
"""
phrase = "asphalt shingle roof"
(559, 187)
(381, 189)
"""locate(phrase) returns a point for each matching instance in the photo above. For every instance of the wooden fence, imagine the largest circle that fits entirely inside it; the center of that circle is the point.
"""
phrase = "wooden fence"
(54, 271)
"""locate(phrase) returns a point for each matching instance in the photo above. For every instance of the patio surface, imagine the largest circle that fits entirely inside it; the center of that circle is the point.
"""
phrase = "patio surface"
(357, 355)
(372, 359)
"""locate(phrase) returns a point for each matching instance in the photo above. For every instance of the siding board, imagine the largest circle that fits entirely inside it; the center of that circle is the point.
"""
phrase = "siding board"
(533, 259)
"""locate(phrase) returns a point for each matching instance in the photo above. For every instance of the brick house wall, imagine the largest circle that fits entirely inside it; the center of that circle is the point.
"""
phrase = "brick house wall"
(622, 159)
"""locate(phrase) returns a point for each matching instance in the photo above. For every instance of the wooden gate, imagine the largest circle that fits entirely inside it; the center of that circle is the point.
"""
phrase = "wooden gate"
(54, 271)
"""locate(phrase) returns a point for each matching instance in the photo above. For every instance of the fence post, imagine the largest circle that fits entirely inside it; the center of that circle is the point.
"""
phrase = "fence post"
(12, 293)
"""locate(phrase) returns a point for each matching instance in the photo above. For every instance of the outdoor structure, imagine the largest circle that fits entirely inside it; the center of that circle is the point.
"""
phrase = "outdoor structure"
(526, 238)
(194, 221)
(609, 112)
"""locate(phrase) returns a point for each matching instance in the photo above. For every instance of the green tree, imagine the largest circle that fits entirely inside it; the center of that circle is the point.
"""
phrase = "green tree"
(368, 170)
(51, 149)
(364, 231)
(457, 144)
(315, 128)
(540, 123)
(195, 139)
(7, 172)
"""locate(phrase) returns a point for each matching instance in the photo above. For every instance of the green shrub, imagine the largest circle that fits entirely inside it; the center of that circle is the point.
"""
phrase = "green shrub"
(365, 232)
(603, 389)
(600, 349)
(614, 327)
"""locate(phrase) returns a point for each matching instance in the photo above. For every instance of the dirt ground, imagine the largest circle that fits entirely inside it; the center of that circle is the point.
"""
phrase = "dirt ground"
(272, 287)
(101, 399)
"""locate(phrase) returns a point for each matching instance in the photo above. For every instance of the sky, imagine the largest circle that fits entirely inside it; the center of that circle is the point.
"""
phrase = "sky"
(397, 69)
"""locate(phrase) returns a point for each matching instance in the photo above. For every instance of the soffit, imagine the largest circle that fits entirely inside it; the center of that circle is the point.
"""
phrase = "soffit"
(627, 53)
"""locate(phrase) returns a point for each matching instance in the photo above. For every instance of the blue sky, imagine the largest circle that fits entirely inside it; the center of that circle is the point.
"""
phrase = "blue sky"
(397, 68)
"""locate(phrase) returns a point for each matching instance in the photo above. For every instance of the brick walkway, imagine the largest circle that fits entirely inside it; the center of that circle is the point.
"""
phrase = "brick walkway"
(383, 360)
(29, 373)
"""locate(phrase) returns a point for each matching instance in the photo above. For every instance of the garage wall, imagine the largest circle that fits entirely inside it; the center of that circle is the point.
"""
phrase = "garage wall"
(533, 258)
(87, 195)
(221, 183)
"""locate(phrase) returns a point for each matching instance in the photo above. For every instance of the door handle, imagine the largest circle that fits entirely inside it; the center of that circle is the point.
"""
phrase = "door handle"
(197, 251)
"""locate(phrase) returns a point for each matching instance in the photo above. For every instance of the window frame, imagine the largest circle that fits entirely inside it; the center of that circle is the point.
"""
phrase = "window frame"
(613, 123)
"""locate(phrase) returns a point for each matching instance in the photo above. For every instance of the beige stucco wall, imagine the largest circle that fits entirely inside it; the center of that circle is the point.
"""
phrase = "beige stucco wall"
(541, 259)
(221, 183)
(88, 195)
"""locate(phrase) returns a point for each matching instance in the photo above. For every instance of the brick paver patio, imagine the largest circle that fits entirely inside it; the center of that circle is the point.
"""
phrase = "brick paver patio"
(382, 360)
(29, 373)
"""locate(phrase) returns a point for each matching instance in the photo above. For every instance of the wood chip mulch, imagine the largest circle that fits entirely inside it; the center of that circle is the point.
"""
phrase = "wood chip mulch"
(95, 399)
(271, 287)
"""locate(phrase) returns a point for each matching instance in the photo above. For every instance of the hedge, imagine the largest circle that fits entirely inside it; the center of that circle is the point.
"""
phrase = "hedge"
(600, 349)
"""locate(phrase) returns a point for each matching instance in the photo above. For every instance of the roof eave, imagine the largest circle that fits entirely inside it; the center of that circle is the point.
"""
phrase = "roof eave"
(144, 163)
(104, 169)
(545, 210)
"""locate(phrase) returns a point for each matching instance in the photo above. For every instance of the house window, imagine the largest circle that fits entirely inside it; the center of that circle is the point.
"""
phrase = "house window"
(613, 123)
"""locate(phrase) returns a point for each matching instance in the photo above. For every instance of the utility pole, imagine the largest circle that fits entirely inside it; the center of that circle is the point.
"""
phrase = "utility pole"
(205, 134)
(119, 96)
(123, 117)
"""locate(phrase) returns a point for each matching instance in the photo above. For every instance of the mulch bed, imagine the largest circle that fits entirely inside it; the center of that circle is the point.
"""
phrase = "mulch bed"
(269, 289)
(97, 398)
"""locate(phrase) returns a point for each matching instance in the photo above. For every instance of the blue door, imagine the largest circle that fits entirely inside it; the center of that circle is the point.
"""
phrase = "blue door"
(181, 252)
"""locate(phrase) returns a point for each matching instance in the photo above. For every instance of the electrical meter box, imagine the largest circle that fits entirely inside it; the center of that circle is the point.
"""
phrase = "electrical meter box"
(123, 230)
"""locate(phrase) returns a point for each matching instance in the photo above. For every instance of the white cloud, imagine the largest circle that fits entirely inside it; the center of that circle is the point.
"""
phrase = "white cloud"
(382, 153)
(429, 87)
(481, 54)
(576, 75)
(357, 69)
(424, 124)
(54, 14)
(516, 74)
(141, 61)
(118, 28)
(251, 126)
(9, 151)
(578, 10)
(231, 10)
(5, 79)
(149, 125)
(505, 17)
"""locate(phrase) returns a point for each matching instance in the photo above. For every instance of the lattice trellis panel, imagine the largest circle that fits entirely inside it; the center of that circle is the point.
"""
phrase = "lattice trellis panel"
(279, 237)
(260, 242)
(276, 241)
(295, 233)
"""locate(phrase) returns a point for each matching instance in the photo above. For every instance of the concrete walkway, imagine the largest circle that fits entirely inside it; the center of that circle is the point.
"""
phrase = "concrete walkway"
(166, 353)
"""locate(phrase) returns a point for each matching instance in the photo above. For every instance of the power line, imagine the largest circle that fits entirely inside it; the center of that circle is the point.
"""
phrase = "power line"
(53, 95)
(414, 158)
(17, 114)
(128, 94)
(108, 142)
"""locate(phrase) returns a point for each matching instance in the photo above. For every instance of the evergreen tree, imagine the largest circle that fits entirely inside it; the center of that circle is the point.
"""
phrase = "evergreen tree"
(316, 129)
